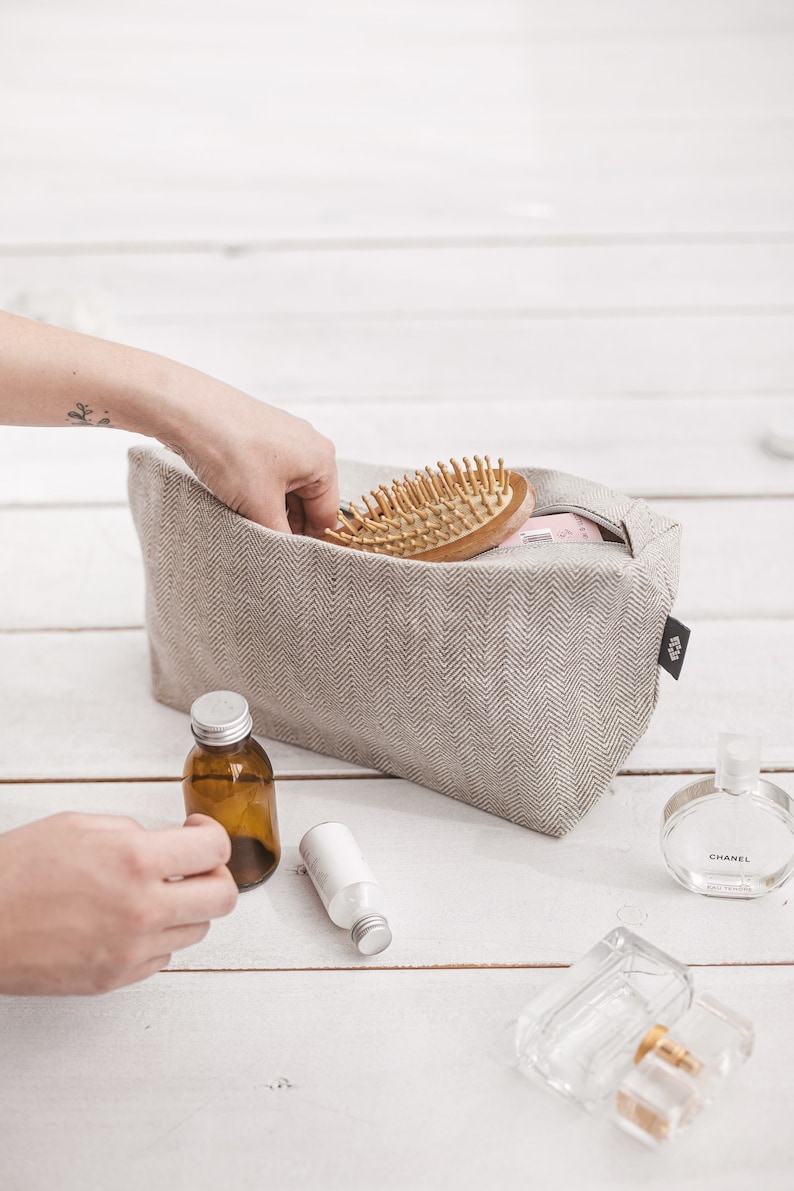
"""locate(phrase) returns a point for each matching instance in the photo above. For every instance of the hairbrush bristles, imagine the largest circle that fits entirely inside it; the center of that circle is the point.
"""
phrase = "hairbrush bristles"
(439, 516)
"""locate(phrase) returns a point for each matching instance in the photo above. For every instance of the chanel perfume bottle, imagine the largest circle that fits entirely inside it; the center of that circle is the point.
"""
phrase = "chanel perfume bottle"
(581, 1034)
(731, 835)
(678, 1072)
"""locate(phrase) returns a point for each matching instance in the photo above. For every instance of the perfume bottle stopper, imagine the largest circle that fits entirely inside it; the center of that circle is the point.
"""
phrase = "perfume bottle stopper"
(738, 762)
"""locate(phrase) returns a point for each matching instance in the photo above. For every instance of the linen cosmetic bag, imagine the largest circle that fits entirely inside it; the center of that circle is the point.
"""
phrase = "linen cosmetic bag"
(517, 682)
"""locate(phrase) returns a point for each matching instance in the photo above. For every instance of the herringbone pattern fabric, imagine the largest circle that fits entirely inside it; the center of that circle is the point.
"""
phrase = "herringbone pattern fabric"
(517, 682)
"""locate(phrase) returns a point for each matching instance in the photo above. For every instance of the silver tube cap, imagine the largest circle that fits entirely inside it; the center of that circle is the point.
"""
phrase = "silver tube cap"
(220, 717)
(371, 934)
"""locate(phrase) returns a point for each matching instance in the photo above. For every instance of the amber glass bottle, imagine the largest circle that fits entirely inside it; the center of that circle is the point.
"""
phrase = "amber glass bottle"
(228, 776)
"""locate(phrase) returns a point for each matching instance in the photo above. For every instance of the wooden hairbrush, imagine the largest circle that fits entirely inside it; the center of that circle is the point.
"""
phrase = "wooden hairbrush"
(440, 516)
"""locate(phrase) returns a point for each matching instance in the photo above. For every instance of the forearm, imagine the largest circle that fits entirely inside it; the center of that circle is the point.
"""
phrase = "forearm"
(54, 377)
(253, 456)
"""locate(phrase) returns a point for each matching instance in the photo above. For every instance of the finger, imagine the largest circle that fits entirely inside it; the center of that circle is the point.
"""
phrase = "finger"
(184, 851)
(295, 513)
(136, 974)
(272, 514)
(178, 937)
(197, 819)
(320, 510)
(198, 899)
(98, 822)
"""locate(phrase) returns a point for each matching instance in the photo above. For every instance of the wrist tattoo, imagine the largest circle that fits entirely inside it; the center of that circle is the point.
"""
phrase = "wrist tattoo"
(82, 417)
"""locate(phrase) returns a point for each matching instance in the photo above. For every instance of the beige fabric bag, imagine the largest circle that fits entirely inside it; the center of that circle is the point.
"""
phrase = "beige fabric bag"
(517, 682)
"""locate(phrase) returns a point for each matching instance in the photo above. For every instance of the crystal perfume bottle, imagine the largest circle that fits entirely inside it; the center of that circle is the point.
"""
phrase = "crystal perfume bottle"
(619, 1030)
(731, 835)
(678, 1072)
(581, 1034)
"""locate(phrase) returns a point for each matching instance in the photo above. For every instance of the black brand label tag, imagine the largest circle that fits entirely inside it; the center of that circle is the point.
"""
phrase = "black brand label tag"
(674, 642)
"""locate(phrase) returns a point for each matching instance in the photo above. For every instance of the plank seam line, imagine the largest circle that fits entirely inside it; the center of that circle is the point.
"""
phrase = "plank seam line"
(368, 775)
(526, 967)
(47, 505)
(657, 497)
(99, 628)
(256, 246)
(107, 781)
(484, 315)
(139, 628)
(92, 628)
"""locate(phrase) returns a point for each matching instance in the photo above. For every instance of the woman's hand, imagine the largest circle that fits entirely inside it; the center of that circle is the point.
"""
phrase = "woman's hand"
(262, 462)
(89, 902)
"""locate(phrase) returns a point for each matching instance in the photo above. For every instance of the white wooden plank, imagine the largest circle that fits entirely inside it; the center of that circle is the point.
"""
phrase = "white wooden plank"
(311, 78)
(427, 126)
(591, 196)
(479, 358)
(463, 887)
(108, 293)
(82, 707)
(652, 447)
(51, 465)
(736, 678)
(86, 697)
(736, 557)
(70, 568)
(338, 1080)
(514, 19)
(616, 179)
(81, 568)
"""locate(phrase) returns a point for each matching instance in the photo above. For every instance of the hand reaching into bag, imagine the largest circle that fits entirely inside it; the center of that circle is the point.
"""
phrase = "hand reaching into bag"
(263, 462)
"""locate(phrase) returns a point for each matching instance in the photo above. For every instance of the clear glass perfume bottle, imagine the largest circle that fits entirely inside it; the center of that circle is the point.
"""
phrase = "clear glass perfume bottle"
(733, 835)
(678, 1072)
(580, 1035)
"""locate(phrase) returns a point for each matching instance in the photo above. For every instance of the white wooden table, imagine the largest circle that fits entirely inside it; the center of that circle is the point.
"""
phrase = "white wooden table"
(564, 228)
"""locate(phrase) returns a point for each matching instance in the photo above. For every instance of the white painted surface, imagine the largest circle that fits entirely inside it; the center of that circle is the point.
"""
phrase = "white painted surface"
(345, 120)
(567, 226)
(462, 886)
(353, 1081)
(647, 446)
(217, 288)
(70, 568)
(483, 359)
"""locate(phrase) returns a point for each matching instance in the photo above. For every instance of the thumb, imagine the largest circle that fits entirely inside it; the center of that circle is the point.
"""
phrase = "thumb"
(321, 510)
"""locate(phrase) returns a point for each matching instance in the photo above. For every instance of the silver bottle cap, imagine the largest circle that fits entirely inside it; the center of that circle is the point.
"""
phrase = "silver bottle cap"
(371, 934)
(220, 717)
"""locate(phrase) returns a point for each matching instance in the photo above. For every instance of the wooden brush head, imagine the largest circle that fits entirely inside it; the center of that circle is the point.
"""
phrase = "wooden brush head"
(439, 516)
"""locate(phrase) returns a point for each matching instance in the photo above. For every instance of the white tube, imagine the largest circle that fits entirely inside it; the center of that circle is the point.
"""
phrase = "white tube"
(346, 885)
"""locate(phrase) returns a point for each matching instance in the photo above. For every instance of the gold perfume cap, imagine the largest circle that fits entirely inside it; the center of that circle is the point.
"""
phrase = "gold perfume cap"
(658, 1040)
